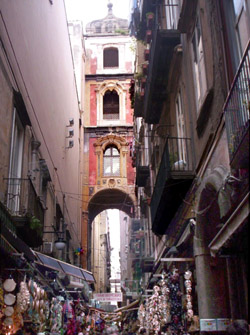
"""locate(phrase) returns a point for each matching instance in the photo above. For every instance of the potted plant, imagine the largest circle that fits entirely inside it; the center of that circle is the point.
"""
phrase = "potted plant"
(146, 54)
(143, 82)
(150, 19)
(145, 68)
(148, 36)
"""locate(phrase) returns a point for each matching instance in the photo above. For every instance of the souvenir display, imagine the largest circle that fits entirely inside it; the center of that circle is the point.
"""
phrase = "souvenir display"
(8, 310)
(23, 297)
(188, 286)
(9, 299)
(9, 285)
(163, 311)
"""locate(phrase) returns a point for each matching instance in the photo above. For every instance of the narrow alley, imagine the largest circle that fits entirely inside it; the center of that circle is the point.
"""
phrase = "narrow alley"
(124, 167)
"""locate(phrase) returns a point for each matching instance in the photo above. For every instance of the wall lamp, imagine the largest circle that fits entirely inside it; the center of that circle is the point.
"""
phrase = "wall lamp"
(71, 123)
(70, 133)
(70, 145)
(60, 242)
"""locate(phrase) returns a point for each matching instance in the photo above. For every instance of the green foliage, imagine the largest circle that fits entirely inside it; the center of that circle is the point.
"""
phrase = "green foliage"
(35, 224)
(138, 75)
(149, 14)
(121, 32)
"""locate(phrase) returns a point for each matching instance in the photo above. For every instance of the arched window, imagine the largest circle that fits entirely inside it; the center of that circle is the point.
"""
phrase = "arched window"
(111, 105)
(111, 162)
(110, 57)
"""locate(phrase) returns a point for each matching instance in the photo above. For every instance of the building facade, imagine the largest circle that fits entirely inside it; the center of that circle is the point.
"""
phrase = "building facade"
(101, 252)
(191, 100)
(108, 180)
(41, 133)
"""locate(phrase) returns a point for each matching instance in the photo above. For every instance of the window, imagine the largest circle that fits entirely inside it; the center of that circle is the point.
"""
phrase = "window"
(171, 7)
(13, 200)
(110, 57)
(111, 162)
(111, 105)
(237, 6)
(181, 131)
(199, 65)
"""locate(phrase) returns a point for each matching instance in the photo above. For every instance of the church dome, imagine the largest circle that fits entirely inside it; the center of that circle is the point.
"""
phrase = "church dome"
(110, 24)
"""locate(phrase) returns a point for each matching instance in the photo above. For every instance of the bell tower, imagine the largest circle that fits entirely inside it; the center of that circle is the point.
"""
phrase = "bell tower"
(108, 180)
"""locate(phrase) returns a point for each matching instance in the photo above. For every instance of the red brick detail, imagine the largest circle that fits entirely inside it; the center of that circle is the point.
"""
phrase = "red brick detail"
(93, 110)
(93, 65)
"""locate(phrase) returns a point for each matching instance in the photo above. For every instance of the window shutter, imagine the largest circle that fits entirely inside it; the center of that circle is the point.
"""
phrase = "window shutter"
(110, 57)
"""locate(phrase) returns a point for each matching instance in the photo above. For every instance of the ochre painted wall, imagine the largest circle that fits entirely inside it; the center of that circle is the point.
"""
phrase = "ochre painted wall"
(129, 111)
(130, 169)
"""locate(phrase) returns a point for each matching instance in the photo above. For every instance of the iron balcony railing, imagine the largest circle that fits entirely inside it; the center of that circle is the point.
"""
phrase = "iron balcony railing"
(169, 14)
(237, 105)
(165, 37)
(22, 199)
(176, 163)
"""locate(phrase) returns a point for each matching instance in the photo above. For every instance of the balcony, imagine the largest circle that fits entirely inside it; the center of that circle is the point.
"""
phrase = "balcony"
(147, 264)
(142, 168)
(236, 111)
(138, 105)
(187, 12)
(142, 175)
(174, 177)
(26, 210)
(165, 37)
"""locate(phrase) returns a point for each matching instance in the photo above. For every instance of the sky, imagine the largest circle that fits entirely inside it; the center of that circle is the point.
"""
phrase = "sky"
(89, 10)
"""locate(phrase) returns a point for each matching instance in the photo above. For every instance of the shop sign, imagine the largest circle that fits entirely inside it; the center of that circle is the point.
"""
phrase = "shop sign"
(208, 325)
(107, 297)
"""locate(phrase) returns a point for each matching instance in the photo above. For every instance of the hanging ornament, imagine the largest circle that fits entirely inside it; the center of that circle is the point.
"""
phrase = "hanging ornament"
(188, 286)
(175, 301)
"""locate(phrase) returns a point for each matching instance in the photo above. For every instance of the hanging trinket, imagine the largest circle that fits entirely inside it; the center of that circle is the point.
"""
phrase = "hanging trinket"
(188, 286)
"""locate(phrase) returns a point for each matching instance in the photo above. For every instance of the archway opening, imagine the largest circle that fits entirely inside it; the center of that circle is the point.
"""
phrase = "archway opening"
(110, 215)
(110, 199)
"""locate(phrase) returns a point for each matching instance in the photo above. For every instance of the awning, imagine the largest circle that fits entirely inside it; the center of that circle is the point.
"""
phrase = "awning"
(68, 269)
(236, 220)
(16, 242)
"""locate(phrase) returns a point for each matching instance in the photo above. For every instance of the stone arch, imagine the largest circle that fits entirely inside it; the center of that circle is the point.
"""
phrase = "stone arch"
(104, 141)
(110, 198)
(110, 85)
(211, 275)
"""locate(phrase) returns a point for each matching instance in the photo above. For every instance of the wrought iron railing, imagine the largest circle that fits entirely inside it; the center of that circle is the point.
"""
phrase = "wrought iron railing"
(169, 15)
(162, 38)
(22, 199)
(5, 219)
(237, 105)
(176, 162)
